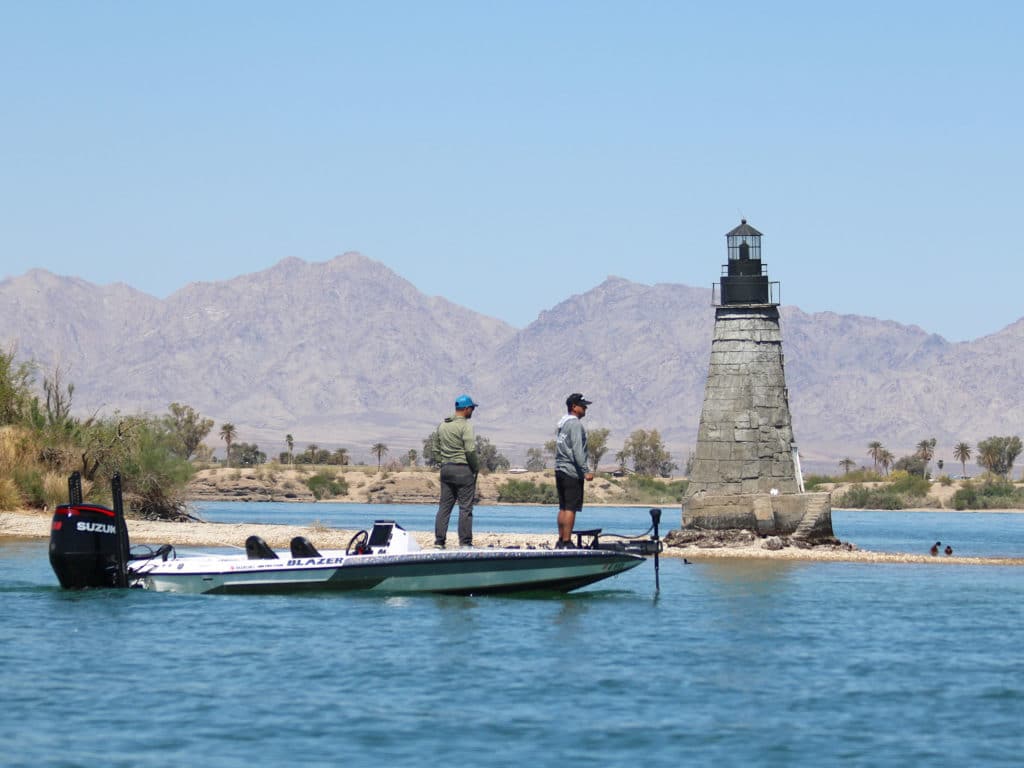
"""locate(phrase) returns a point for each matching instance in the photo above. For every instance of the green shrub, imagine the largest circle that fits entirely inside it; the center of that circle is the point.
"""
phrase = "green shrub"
(909, 485)
(526, 492)
(30, 482)
(10, 496)
(326, 485)
(992, 493)
(641, 489)
(861, 497)
(862, 475)
(813, 481)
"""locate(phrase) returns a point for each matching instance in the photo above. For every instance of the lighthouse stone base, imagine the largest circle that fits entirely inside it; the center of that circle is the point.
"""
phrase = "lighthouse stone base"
(745, 474)
(804, 515)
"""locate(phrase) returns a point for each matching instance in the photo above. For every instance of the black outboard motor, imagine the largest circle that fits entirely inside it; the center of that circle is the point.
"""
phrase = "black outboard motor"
(89, 543)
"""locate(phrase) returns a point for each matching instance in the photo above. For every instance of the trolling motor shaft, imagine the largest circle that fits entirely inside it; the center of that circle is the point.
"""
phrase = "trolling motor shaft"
(636, 546)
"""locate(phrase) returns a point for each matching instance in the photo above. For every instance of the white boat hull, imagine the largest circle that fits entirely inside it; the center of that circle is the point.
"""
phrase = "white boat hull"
(476, 571)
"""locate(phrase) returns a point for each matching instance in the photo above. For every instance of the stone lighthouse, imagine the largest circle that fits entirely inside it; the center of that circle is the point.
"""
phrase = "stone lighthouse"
(746, 469)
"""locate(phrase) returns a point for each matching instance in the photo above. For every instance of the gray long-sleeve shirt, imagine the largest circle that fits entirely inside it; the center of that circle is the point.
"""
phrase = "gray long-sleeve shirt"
(571, 447)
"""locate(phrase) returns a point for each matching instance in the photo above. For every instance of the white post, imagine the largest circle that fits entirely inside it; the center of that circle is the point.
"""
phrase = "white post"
(796, 467)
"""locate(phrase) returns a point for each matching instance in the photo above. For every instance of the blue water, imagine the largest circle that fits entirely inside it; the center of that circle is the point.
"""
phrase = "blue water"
(733, 663)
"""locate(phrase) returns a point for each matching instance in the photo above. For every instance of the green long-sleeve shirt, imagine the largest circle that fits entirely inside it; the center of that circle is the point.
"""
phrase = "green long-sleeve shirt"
(455, 443)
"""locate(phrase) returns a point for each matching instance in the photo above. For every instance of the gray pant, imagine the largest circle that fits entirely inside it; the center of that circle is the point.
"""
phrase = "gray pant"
(457, 483)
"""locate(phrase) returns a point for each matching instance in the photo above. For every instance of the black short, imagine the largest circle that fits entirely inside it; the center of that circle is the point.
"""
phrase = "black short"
(570, 491)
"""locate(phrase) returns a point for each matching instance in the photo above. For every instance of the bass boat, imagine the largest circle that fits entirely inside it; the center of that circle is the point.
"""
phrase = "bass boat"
(89, 548)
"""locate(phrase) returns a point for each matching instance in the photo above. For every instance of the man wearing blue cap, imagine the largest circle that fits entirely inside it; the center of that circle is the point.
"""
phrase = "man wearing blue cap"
(454, 447)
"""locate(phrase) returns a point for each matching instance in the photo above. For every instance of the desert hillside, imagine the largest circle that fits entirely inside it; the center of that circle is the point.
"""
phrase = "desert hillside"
(348, 353)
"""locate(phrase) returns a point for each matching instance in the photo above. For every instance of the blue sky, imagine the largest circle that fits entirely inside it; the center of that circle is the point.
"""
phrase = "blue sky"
(508, 156)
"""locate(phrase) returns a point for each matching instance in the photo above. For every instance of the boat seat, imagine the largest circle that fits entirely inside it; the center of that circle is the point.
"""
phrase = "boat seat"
(257, 549)
(593, 533)
(303, 547)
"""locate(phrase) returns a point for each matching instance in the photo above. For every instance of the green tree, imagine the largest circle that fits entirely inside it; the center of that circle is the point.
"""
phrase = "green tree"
(962, 452)
(648, 453)
(912, 465)
(550, 449)
(103, 446)
(58, 400)
(597, 445)
(340, 457)
(247, 455)
(310, 455)
(380, 451)
(15, 388)
(412, 457)
(228, 433)
(847, 464)
(886, 459)
(428, 450)
(875, 451)
(535, 459)
(290, 442)
(490, 459)
(926, 450)
(187, 429)
(997, 454)
(621, 457)
(314, 454)
(153, 471)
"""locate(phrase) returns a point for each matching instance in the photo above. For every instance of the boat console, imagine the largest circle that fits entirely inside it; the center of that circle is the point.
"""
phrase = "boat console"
(389, 538)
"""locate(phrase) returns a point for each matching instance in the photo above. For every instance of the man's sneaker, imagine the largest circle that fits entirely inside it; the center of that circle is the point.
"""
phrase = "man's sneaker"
(565, 544)
(438, 545)
(466, 546)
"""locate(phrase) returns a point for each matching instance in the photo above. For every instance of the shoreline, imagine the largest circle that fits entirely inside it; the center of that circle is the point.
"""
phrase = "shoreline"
(36, 525)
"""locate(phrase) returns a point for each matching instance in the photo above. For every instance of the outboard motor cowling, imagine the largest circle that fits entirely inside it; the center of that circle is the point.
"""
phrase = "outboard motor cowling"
(89, 543)
(85, 547)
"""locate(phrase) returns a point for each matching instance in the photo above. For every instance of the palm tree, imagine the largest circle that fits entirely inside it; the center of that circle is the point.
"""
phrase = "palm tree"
(875, 450)
(847, 464)
(341, 456)
(379, 450)
(925, 450)
(228, 433)
(291, 447)
(886, 459)
(962, 452)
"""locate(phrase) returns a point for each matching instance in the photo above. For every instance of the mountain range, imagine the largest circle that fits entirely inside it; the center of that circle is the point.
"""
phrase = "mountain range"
(346, 352)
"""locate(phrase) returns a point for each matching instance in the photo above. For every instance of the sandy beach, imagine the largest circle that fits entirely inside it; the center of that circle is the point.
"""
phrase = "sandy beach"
(36, 525)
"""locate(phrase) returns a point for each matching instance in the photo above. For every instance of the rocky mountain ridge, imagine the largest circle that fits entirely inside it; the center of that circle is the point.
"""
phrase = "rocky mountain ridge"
(346, 352)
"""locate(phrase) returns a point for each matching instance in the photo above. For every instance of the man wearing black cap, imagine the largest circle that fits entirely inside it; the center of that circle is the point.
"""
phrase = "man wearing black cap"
(454, 448)
(571, 466)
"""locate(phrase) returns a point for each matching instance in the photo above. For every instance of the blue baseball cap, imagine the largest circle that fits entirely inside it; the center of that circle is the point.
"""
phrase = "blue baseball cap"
(465, 401)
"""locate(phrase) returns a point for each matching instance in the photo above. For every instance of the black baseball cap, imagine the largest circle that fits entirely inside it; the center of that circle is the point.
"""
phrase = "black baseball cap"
(576, 399)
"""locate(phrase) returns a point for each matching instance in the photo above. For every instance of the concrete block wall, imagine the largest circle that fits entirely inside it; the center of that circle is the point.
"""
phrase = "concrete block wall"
(761, 512)
(745, 435)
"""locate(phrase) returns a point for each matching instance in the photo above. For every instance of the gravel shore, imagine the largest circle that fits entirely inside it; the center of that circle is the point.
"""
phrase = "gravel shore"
(36, 525)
